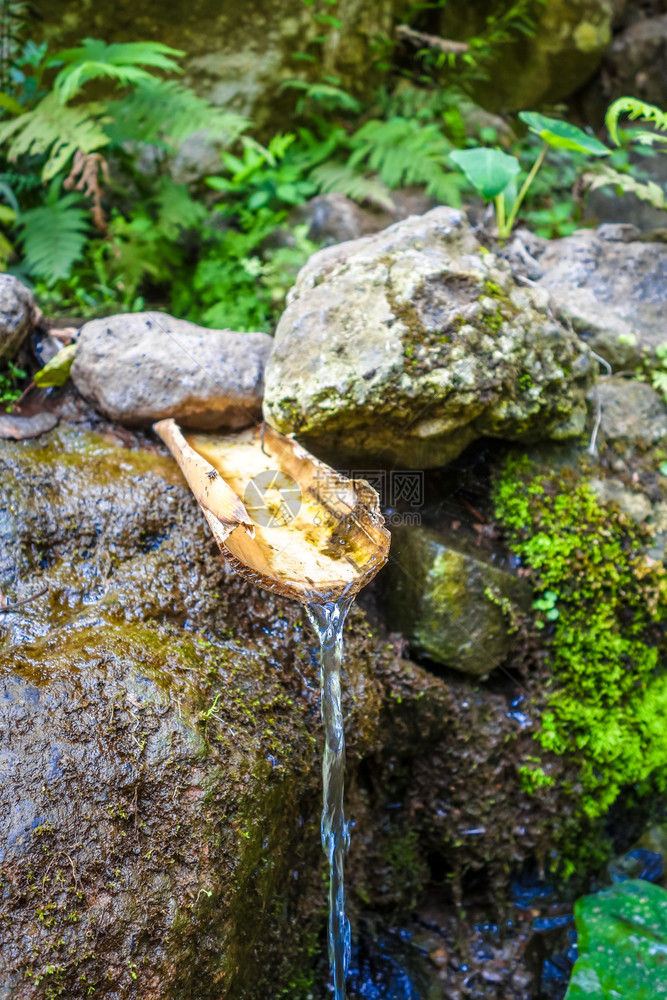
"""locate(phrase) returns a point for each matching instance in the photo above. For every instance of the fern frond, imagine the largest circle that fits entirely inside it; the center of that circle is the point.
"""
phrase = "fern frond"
(121, 62)
(635, 110)
(405, 151)
(341, 177)
(55, 131)
(166, 112)
(177, 209)
(647, 191)
(53, 236)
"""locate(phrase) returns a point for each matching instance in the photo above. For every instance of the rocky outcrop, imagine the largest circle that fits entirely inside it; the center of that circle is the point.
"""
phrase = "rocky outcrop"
(142, 367)
(405, 346)
(160, 748)
(451, 603)
(17, 315)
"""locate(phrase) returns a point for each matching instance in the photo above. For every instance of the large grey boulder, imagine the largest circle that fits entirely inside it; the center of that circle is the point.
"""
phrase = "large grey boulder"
(17, 315)
(613, 292)
(451, 602)
(407, 345)
(141, 367)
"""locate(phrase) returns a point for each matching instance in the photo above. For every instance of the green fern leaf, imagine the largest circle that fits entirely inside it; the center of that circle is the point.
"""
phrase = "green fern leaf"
(634, 109)
(177, 210)
(165, 112)
(55, 131)
(341, 177)
(405, 151)
(53, 236)
(647, 191)
(122, 62)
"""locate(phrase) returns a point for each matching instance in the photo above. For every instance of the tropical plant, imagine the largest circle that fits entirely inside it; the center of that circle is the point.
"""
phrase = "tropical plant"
(493, 173)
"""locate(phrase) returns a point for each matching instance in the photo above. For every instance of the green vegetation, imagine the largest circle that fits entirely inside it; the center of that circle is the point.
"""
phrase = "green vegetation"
(644, 141)
(92, 216)
(9, 385)
(607, 707)
(493, 173)
(622, 943)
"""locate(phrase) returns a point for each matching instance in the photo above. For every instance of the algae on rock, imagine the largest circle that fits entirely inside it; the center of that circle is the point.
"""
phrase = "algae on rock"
(451, 602)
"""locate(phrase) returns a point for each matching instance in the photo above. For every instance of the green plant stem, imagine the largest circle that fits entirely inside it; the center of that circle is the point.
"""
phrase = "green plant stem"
(523, 192)
(500, 215)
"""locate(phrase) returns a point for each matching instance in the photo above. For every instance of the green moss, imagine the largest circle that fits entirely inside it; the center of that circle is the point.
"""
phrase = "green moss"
(607, 707)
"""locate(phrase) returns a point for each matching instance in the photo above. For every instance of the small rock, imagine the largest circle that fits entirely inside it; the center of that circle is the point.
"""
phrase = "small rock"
(19, 428)
(335, 218)
(17, 315)
(614, 293)
(142, 367)
(636, 505)
(631, 413)
(452, 604)
(619, 232)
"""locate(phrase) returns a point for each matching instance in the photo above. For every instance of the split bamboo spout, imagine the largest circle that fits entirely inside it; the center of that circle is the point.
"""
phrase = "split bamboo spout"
(283, 519)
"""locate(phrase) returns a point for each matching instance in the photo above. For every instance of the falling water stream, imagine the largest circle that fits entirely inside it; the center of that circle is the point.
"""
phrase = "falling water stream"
(328, 621)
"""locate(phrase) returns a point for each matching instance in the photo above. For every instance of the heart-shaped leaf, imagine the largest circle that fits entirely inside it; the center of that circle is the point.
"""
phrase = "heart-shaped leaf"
(562, 135)
(488, 170)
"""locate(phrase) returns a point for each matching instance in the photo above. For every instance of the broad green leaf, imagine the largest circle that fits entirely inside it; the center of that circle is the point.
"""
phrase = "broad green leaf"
(56, 371)
(562, 135)
(488, 170)
(622, 944)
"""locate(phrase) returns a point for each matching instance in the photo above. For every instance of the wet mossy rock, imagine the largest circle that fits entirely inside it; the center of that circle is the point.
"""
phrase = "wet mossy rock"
(159, 745)
(450, 602)
(603, 603)
(240, 52)
(405, 346)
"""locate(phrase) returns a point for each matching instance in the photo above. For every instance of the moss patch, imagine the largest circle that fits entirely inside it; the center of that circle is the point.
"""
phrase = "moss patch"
(604, 629)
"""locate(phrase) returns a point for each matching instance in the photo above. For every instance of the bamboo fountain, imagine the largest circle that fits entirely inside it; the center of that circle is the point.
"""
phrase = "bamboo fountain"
(290, 524)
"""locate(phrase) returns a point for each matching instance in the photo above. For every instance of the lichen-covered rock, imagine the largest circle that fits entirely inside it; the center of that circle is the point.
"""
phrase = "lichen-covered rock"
(452, 603)
(17, 315)
(614, 292)
(141, 367)
(405, 346)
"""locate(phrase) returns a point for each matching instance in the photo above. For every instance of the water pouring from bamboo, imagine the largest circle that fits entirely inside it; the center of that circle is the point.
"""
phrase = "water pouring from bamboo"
(290, 524)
